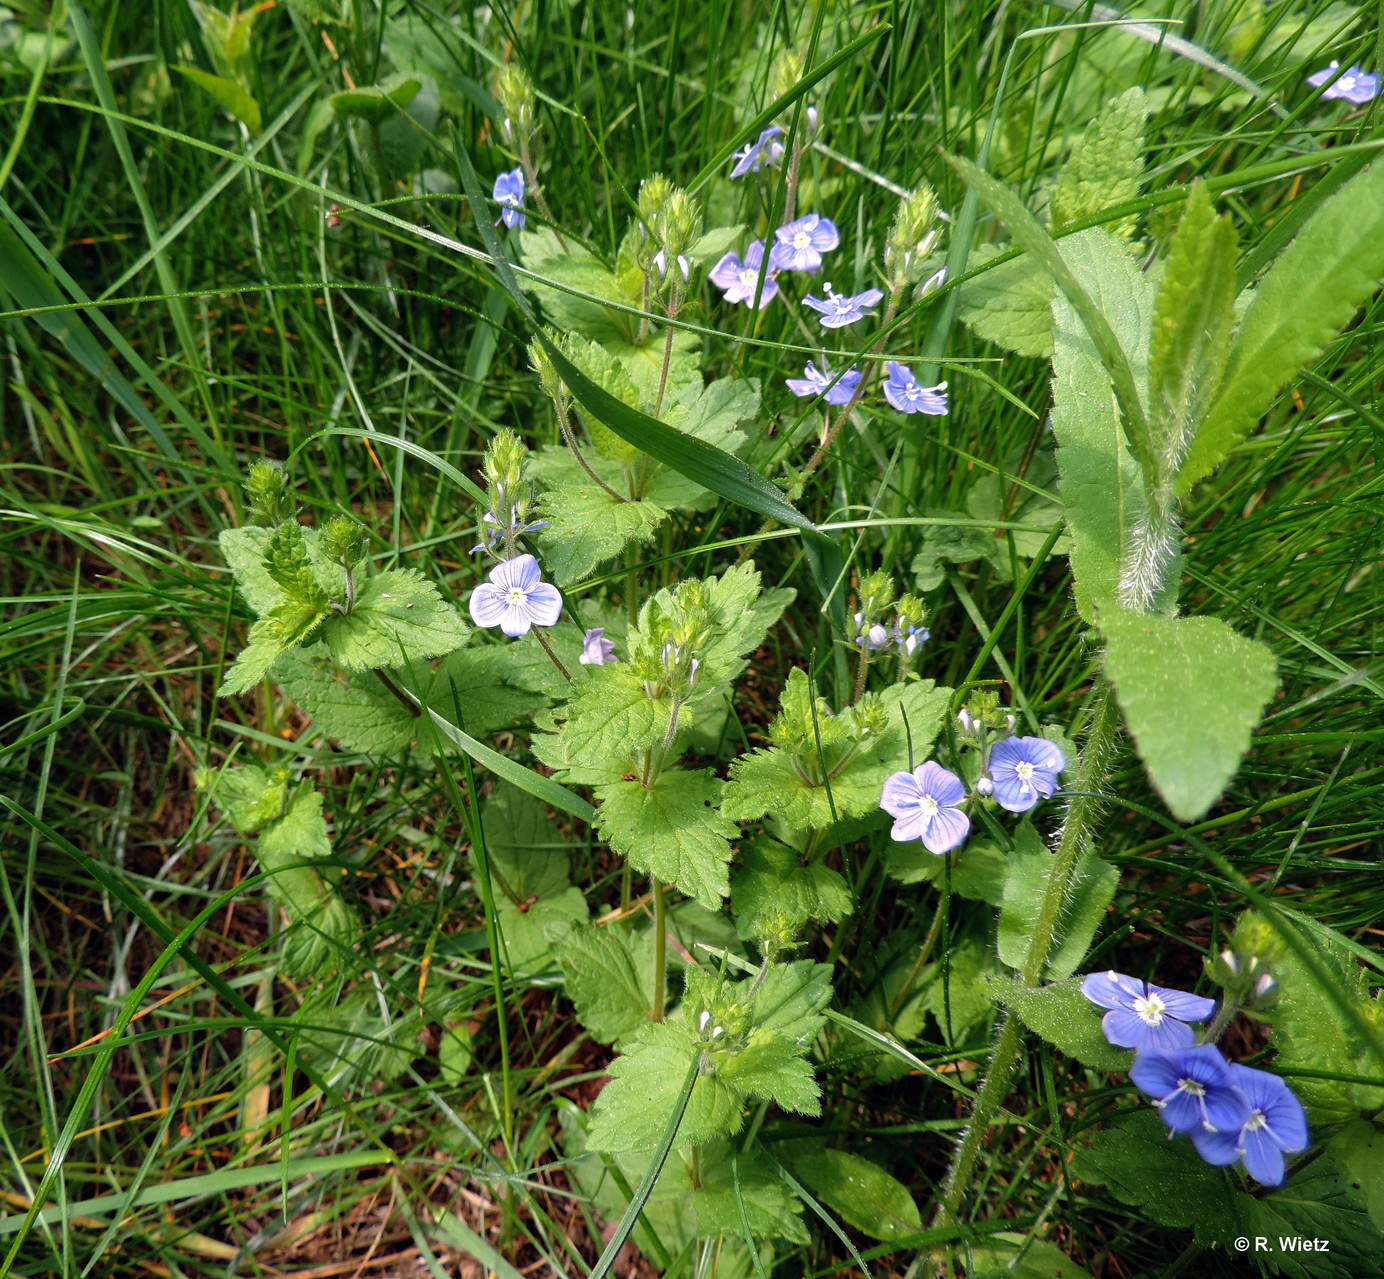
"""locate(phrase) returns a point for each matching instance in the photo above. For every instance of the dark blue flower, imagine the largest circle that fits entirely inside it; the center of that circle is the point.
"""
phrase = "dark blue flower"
(925, 805)
(764, 150)
(904, 392)
(818, 382)
(1143, 1016)
(1276, 1124)
(740, 280)
(1353, 84)
(799, 245)
(838, 310)
(509, 193)
(1023, 768)
(1193, 1087)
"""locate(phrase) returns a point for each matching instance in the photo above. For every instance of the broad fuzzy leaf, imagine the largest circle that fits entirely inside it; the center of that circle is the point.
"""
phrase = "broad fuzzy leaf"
(255, 659)
(1191, 690)
(1106, 166)
(244, 550)
(587, 527)
(1010, 304)
(1063, 1016)
(534, 933)
(377, 103)
(1359, 1151)
(774, 889)
(286, 561)
(732, 1191)
(522, 843)
(399, 617)
(600, 977)
(859, 1191)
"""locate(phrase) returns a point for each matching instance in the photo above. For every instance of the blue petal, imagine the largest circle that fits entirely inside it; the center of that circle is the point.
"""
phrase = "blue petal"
(1263, 1158)
(947, 830)
(1219, 1148)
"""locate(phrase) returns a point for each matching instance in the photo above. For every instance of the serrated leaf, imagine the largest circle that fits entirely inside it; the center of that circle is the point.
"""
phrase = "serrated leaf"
(587, 527)
(377, 103)
(299, 835)
(318, 937)
(1106, 166)
(399, 617)
(773, 1067)
(741, 613)
(255, 659)
(533, 933)
(773, 889)
(1090, 890)
(732, 1191)
(1191, 690)
(954, 544)
(1318, 1202)
(244, 550)
(577, 268)
(673, 829)
(859, 1191)
(599, 975)
(1063, 1016)
(608, 716)
(1358, 1150)
(286, 562)
(978, 868)
(1332, 265)
(228, 94)
(522, 842)
(1010, 304)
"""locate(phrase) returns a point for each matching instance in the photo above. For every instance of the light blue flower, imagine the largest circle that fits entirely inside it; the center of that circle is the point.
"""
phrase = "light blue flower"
(516, 598)
(838, 310)
(596, 650)
(764, 150)
(1023, 769)
(1276, 1125)
(1353, 84)
(495, 531)
(818, 382)
(1145, 1016)
(924, 805)
(1193, 1088)
(740, 280)
(799, 245)
(903, 391)
(509, 193)
(911, 638)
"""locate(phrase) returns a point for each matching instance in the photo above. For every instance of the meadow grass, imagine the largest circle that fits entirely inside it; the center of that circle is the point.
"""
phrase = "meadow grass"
(244, 315)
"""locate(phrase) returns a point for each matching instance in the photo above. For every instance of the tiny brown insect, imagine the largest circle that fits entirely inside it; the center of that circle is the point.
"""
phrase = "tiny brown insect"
(627, 777)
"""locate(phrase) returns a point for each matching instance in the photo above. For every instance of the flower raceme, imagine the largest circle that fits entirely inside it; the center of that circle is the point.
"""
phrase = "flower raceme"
(516, 598)
(509, 194)
(1144, 1016)
(925, 804)
(740, 280)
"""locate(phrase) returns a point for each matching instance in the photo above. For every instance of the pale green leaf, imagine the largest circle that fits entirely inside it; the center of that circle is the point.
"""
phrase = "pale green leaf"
(608, 717)
(586, 527)
(1358, 1149)
(1106, 166)
(398, 617)
(522, 843)
(349, 1044)
(320, 934)
(775, 889)
(228, 94)
(255, 659)
(454, 1055)
(1063, 1016)
(1192, 691)
(600, 977)
(1010, 304)
(773, 1067)
(731, 1191)
(377, 103)
(860, 1192)
(533, 933)
(1010, 1255)
(299, 835)
(244, 550)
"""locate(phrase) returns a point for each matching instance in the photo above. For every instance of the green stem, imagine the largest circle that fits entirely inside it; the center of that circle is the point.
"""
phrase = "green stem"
(565, 426)
(660, 949)
(667, 358)
(532, 175)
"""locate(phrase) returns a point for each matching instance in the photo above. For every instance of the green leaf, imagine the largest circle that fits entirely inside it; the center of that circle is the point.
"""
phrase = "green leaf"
(599, 975)
(534, 934)
(1191, 690)
(244, 550)
(1106, 167)
(522, 842)
(1010, 304)
(1100, 484)
(609, 716)
(351, 1045)
(954, 544)
(773, 889)
(978, 868)
(672, 829)
(398, 617)
(1192, 318)
(378, 102)
(1083, 906)
(732, 1191)
(1318, 1202)
(300, 834)
(1358, 1150)
(228, 94)
(857, 1190)
(454, 1055)
(587, 527)
(1305, 298)
(320, 935)
(286, 562)
(1063, 1016)
(255, 659)
(1010, 1255)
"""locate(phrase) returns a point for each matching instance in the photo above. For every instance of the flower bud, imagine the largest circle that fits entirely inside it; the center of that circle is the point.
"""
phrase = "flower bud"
(912, 237)
(344, 541)
(876, 593)
(678, 225)
(514, 93)
(787, 72)
(548, 378)
(266, 487)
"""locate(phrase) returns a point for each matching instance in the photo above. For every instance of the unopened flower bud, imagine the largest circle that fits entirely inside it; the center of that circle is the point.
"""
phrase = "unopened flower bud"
(514, 93)
(266, 487)
(912, 237)
(984, 786)
(344, 541)
(787, 72)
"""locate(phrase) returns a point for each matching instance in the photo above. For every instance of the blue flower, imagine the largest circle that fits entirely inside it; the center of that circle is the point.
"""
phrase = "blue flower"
(815, 382)
(1023, 768)
(1193, 1087)
(902, 390)
(765, 150)
(509, 193)
(924, 805)
(799, 245)
(911, 638)
(740, 280)
(500, 531)
(1145, 1016)
(1353, 84)
(838, 310)
(596, 650)
(1276, 1124)
(516, 597)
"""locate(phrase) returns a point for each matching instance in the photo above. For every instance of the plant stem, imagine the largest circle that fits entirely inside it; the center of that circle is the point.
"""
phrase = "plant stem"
(553, 657)
(565, 426)
(532, 175)
(404, 699)
(667, 360)
(660, 948)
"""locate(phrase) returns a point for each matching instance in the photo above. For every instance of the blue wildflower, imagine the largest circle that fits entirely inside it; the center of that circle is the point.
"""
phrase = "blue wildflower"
(799, 245)
(1353, 84)
(596, 650)
(837, 310)
(910, 638)
(903, 391)
(516, 597)
(764, 150)
(498, 531)
(1144, 1016)
(1193, 1088)
(740, 280)
(1023, 768)
(818, 382)
(509, 194)
(924, 805)
(1276, 1125)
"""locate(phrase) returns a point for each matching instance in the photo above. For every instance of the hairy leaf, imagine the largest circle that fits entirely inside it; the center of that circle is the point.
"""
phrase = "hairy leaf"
(399, 617)
(522, 843)
(587, 527)
(1106, 166)
(1010, 304)
(1063, 1016)
(774, 889)
(228, 94)
(599, 974)
(859, 1191)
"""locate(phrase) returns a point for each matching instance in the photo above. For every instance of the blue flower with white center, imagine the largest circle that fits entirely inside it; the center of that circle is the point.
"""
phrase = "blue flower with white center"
(509, 193)
(799, 245)
(837, 310)
(516, 598)
(1193, 1088)
(495, 531)
(924, 805)
(911, 638)
(904, 392)
(1276, 1125)
(740, 280)
(764, 150)
(1353, 84)
(819, 382)
(1144, 1016)
(1023, 769)
(596, 650)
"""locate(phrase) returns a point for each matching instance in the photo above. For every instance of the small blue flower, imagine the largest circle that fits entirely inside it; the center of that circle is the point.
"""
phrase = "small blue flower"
(740, 280)
(516, 597)
(924, 805)
(911, 638)
(498, 531)
(1143, 1016)
(818, 382)
(902, 390)
(1193, 1087)
(838, 310)
(764, 150)
(1023, 768)
(1276, 1124)
(1354, 85)
(509, 192)
(596, 650)
(799, 245)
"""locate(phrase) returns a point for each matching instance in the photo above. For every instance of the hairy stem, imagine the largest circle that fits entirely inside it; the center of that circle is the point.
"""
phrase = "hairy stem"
(565, 426)
(403, 698)
(667, 359)
(660, 948)
(531, 174)
(553, 657)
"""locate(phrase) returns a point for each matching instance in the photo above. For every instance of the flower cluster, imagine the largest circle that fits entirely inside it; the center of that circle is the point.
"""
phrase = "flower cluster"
(1353, 84)
(1230, 1112)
